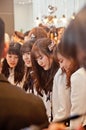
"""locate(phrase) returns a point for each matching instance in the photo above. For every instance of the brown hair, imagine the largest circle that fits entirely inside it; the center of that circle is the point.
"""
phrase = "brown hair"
(27, 46)
(36, 33)
(44, 27)
(44, 79)
(68, 50)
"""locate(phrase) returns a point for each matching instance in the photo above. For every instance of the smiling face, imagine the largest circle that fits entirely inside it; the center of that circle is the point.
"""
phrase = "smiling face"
(65, 64)
(27, 59)
(44, 61)
(12, 60)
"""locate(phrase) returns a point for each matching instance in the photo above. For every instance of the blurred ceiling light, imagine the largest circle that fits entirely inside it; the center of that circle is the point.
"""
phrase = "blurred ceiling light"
(55, 19)
(22, 2)
(37, 21)
(73, 16)
(64, 19)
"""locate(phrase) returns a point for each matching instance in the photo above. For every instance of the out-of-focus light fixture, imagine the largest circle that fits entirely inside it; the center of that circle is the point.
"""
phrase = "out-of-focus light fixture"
(23, 2)
(37, 21)
(73, 16)
(45, 20)
(63, 19)
(55, 19)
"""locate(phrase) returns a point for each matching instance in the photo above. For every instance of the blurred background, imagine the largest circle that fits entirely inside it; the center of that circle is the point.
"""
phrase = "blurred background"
(22, 15)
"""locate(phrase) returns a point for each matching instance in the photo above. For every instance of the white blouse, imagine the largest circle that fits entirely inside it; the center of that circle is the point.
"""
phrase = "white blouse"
(60, 97)
(78, 97)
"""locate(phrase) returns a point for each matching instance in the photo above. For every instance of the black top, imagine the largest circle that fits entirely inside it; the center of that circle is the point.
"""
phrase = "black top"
(18, 109)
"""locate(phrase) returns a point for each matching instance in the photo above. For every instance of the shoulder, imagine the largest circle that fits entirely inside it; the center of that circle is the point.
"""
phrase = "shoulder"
(80, 73)
(58, 73)
(78, 80)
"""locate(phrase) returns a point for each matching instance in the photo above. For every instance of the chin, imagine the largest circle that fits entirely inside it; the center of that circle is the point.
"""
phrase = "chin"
(46, 69)
(12, 66)
(28, 65)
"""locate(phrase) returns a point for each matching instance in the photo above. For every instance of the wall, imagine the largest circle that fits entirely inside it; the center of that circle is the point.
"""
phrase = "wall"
(23, 17)
(7, 14)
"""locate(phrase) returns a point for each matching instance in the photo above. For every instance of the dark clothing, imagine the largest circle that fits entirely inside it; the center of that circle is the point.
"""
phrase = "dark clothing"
(18, 109)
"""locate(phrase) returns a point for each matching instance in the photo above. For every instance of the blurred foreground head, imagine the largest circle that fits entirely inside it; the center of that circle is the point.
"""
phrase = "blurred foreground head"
(75, 34)
(80, 31)
(2, 30)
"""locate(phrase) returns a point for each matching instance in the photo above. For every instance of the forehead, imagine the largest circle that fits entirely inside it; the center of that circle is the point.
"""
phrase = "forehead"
(59, 56)
(38, 54)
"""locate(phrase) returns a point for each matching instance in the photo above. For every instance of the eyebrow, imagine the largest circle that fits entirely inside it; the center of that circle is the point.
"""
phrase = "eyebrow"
(37, 56)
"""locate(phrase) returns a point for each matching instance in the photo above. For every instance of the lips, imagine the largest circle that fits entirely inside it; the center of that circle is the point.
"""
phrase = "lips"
(28, 62)
(12, 63)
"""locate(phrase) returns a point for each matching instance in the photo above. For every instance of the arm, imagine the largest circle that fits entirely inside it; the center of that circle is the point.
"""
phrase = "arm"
(78, 92)
(61, 97)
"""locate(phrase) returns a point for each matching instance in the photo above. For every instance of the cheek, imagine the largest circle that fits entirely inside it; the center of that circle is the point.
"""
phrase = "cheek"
(65, 63)
(23, 57)
(68, 64)
(8, 60)
(46, 60)
(29, 57)
(16, 61)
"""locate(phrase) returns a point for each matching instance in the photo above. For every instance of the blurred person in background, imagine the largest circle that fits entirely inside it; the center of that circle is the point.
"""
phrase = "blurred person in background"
(75, 35)
(78, 37)
(18, 37)
(37, 33)
(28, 72)
(26, 36)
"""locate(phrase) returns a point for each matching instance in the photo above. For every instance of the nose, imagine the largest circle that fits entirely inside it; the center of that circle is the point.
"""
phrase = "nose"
(13, 60)
(26, 56)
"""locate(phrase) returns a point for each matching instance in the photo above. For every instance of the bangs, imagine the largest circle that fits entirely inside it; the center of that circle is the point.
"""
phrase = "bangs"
(35, 52)
(13, 51)
(25, 50)
(27, 47)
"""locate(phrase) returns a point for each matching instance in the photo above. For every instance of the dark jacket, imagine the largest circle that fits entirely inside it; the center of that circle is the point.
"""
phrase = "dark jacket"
(18, 109)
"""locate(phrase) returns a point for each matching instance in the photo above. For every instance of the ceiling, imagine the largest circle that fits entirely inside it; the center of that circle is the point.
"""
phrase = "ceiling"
(22, 2)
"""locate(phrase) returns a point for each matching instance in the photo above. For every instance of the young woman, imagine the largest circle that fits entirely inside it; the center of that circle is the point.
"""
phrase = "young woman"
(76, 77)
(60, 97)
(44, 68)
(13, 66)
(26, 55)
(61, 87)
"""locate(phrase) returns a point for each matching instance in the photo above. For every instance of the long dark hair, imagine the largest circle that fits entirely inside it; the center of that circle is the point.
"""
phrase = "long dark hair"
(44, 79)
(14, 48)
(29, 80)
